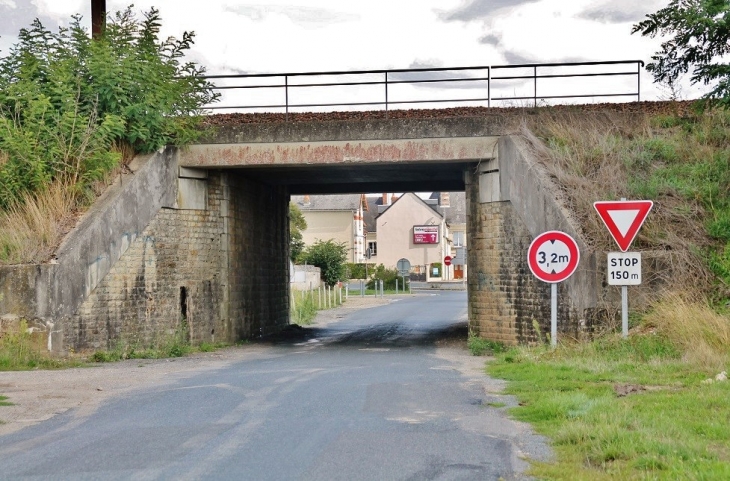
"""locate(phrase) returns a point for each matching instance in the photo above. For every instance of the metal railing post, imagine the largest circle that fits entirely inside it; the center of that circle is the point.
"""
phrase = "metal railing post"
(386, 95)
(534, 79)
(489, 86)
(286, 96)
(638, 81)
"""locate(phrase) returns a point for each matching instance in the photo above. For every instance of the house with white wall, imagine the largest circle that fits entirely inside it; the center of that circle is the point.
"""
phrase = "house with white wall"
(335, 217)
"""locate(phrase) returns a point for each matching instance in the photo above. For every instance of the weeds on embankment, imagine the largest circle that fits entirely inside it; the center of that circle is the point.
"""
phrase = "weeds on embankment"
(679, 160)
(646, 407)
(304, 305)
(21, 350)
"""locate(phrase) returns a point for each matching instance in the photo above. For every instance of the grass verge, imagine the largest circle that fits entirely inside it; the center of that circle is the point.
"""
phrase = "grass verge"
(174, 345)
(21, 350)
(481, 347)
(4, 401)
(639, 408)
(305, 304)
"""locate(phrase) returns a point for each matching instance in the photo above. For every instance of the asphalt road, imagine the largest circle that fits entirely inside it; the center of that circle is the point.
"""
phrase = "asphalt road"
(369, 397)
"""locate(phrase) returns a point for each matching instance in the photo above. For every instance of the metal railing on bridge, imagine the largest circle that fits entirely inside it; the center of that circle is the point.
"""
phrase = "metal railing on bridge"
(499, 85)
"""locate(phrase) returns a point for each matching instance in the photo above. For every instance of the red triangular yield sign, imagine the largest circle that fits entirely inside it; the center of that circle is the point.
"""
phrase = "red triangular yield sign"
(623, 218)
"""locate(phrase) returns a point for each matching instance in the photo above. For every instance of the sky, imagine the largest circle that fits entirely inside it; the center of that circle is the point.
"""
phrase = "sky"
(272, 36)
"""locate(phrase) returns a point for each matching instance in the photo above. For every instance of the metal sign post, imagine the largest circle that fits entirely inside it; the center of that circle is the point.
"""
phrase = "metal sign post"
(553, 257)
(623, 219)
(624, 269)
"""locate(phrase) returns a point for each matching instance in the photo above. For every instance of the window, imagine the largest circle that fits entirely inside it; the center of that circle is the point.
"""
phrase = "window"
(373, 249)
(458, 238)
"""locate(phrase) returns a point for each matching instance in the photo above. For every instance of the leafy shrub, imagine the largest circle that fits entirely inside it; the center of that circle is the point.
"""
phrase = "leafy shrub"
(330, 257)
(65, 100)
(388, 276)
(357, 271)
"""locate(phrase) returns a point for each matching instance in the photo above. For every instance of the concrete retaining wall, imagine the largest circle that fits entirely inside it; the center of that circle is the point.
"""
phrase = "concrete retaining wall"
(511, 200)
(46, 293)
(305, 278)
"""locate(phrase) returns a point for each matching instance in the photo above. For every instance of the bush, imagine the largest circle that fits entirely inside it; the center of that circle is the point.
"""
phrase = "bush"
(357, 271)
(330, 257)
(388, 276)
(65, 100)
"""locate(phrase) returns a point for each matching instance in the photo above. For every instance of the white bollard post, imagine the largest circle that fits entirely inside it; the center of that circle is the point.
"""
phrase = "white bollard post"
(319, 297)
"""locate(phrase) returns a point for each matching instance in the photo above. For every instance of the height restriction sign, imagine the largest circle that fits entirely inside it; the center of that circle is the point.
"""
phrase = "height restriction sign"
(553, 256)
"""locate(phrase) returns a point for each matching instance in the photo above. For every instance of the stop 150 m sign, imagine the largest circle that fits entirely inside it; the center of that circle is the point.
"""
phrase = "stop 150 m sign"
(553, 256)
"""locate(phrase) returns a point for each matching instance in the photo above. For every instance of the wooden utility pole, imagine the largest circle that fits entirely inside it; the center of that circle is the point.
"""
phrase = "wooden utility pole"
(98, 17)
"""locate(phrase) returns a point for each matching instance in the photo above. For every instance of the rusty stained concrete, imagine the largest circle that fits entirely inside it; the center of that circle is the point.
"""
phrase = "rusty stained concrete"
(339, 152)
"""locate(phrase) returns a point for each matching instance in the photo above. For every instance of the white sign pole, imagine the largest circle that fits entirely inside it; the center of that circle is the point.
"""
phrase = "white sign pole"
(553, 315)
(624, 305)
(625, 311)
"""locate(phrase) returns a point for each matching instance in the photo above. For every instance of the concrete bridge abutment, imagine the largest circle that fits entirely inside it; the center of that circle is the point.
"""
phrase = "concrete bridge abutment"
(198, 241)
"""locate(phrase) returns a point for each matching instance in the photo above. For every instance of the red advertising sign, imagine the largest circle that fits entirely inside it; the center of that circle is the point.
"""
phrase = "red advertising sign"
(426, 234)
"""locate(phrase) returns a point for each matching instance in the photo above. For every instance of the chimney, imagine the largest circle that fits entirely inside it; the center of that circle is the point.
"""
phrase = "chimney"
(444, 199)
(307, 201)
(385, 199)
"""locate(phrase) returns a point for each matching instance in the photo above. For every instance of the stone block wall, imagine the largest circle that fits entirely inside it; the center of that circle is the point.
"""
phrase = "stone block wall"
(503, 300)
(169, 278)
(258, 272)
(220, 273)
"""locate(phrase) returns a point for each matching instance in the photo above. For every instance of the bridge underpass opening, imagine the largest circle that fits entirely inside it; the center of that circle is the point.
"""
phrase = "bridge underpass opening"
(371, 181)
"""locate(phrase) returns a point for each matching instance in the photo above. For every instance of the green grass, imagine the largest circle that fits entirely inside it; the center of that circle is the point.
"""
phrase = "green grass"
(678, 428)
(21, 350)
(175, 345)
(4, 402)
(305, 304)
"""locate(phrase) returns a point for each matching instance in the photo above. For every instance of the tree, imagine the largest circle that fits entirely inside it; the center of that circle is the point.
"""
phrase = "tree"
(297, 223)
(330, 257)
(700, 38)
(66, 100)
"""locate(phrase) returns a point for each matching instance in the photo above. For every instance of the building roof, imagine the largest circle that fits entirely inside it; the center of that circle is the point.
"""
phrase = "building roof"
(418, 199)
(456, 212)
(343, 202)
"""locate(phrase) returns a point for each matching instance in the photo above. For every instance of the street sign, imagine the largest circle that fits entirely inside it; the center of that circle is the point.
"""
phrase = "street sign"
(553, 256)
(623, 218)
(404, 267)
(624, 268)
(447, 260)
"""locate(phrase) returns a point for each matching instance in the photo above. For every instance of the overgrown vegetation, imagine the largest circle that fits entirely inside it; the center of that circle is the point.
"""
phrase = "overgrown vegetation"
(639, 408)
(680, 160)
(176, 344)
(4, 401)
(21, 350)
(305, 304)
(71, 109)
